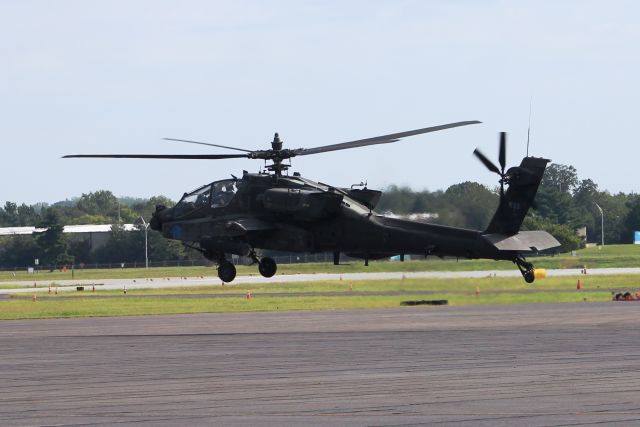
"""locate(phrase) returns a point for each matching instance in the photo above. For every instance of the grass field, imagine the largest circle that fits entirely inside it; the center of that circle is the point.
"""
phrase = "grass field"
(269, 297)
(609, 256)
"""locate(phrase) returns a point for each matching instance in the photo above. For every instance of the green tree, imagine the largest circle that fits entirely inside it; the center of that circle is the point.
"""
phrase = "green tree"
(53, 243)
(128, 247)
(9, 215)
(615, 213)
(584, 198)
(101, 202)
(27, 215)
(18, 251)
(473, 204)
(399, 200)
(632, 219)
(146, 208)
(561, 177)
(556, 207)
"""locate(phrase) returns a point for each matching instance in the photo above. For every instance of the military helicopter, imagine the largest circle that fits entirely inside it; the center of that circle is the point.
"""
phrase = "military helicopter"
(276, 211)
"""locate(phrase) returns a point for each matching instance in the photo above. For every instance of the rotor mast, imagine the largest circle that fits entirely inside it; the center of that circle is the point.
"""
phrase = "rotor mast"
(277, 156)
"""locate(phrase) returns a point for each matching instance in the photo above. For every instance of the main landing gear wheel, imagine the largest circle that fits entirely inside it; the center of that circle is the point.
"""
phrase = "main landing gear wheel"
(527, 270)
(226, 271)
(267, 267)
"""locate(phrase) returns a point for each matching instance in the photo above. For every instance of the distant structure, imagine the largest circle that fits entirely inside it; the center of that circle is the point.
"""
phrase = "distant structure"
(424, 216)
(96, 235)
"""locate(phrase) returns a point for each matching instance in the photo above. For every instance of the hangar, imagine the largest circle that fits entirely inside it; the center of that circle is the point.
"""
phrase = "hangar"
(96, 234)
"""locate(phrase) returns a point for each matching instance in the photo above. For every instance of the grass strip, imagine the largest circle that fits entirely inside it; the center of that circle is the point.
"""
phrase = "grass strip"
(87, 307)
(457, 285)
(457, 291)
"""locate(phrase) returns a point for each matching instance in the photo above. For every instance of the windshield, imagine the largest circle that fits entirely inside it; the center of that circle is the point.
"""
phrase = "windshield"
(223, 192)
(216, 195)
(199, 198)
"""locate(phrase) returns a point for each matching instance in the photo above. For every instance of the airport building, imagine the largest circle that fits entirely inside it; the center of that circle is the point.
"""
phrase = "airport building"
(96, 235)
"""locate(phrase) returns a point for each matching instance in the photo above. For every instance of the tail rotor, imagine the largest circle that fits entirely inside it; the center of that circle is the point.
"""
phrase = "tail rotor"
(502, 159)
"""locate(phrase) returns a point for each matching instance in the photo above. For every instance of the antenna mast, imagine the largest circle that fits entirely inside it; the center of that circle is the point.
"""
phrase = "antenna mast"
(529, 127)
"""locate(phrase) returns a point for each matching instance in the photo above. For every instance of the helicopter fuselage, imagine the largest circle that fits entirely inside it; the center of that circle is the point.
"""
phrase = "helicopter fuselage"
(290, 213)
(295, 214)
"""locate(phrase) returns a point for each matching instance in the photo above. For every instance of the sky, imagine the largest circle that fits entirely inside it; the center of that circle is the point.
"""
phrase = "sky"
(113, 76)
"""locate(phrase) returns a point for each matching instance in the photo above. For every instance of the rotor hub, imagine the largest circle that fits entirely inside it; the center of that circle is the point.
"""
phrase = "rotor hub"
(276, 144)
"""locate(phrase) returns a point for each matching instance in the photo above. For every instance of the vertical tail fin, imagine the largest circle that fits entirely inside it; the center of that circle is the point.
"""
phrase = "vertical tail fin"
(523, 181)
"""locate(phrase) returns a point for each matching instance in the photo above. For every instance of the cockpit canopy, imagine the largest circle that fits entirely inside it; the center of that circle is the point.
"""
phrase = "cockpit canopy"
(215, 195)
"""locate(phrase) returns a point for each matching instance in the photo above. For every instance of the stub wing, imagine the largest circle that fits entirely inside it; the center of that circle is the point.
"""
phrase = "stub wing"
(241, 227)
(523, 241)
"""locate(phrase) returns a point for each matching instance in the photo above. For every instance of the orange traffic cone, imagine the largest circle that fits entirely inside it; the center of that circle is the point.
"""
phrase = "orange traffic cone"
(477, 290)
(35, 298)
(93, 288)
(579, 287)
(249, 294)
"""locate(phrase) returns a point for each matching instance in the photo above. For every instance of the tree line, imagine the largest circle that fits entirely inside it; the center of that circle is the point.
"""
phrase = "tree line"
(563, 204)
(55, 248)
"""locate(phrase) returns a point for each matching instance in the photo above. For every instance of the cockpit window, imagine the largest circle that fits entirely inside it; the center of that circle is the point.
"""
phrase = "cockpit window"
(197, 199)
(223, 192)
(216, 195)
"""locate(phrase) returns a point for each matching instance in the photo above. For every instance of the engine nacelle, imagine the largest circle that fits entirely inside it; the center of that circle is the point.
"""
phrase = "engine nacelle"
(303, 204)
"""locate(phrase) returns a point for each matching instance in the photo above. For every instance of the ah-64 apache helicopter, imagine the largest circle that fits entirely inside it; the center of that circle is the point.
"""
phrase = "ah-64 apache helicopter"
(269, 210)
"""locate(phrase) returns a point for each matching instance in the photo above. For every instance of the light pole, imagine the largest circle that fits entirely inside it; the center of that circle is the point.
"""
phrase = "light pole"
(146, 247)
(602, 224)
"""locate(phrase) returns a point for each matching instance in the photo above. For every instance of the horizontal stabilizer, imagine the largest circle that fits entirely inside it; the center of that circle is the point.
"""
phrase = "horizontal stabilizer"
(524, 241)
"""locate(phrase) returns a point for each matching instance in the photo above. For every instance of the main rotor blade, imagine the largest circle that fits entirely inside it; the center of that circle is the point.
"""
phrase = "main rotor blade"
(206, 143)
(158, 156)
(503, 151)
(384, 139)
(488, 163)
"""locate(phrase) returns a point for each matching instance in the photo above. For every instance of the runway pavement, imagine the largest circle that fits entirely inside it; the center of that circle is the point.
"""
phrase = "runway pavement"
(172, 282)
(534, 365)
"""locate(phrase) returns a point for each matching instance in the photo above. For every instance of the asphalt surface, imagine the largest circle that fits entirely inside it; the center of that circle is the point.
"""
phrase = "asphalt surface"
(534, 365)
(172, 282)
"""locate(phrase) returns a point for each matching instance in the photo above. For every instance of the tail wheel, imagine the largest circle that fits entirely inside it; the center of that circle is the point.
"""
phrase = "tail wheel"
(267, 267)
(529, 276)
(226, 271)
(526, 268)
